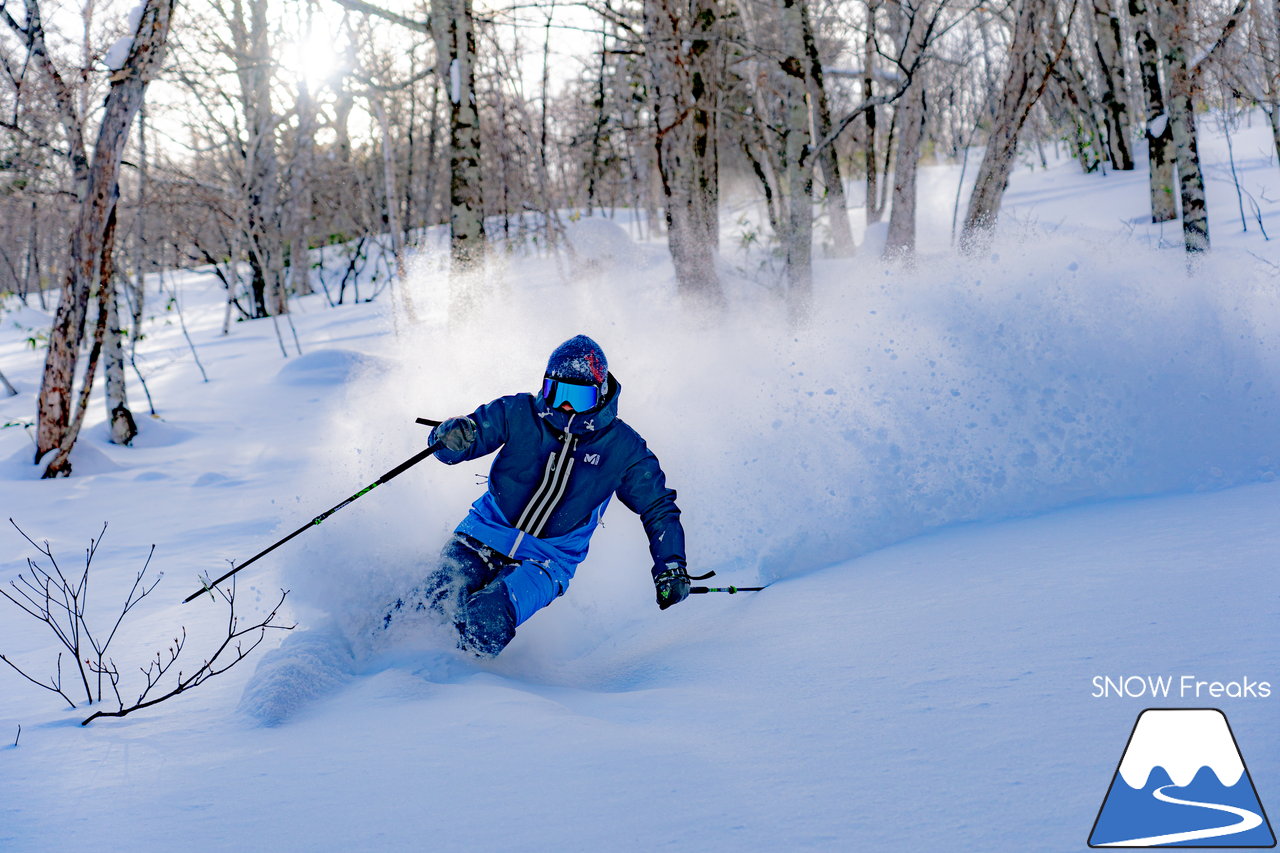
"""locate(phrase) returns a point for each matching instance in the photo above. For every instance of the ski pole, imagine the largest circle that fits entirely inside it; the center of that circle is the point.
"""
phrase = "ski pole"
(393, 473)
(695, 590)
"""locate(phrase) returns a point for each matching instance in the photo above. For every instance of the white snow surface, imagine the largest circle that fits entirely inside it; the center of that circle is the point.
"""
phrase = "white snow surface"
(973, 485)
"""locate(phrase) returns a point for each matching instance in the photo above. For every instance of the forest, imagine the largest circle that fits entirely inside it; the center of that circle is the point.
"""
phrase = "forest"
(275, 141)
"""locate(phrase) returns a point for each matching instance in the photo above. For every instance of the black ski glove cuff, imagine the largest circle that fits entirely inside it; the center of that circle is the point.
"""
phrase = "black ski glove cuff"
(671, 587)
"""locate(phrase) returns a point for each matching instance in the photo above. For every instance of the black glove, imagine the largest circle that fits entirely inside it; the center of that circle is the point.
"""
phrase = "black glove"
(456, 434)
(672, 586)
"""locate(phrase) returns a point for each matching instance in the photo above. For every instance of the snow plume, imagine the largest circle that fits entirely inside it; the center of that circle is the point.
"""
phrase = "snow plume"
(1055, 371)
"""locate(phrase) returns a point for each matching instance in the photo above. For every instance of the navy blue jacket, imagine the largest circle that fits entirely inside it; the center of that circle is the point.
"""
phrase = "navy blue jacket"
(549, 484)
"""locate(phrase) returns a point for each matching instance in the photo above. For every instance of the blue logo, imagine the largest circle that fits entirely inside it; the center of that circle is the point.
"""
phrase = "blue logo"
(1182, 782)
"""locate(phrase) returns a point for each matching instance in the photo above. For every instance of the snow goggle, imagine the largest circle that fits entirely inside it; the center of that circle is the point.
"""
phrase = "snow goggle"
(580, 396)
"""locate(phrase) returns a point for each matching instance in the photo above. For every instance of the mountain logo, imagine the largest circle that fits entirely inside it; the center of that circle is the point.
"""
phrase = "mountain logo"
(1182, 782)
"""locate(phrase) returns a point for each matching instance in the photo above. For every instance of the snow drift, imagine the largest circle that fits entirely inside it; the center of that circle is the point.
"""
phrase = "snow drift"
(1055, 370)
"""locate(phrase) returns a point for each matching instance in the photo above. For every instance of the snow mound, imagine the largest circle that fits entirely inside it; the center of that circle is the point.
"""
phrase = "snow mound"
(25, 317)
(86, 460)
(326, 367)
(305, 667)
(153, 432)
(601, 244)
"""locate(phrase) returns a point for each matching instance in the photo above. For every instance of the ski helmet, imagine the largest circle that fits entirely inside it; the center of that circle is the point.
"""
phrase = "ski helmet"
(576, 376)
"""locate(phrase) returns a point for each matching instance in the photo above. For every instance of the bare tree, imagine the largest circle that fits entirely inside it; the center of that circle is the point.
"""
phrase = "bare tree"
(833, 183)
(453, 28)
(901, 239)
(1028, 75)
(870, 161)
(1107, 45)
(1160, 152)
(682, 44)
(1195, 214)
(61, 602)
(128, 87)
(122, 425)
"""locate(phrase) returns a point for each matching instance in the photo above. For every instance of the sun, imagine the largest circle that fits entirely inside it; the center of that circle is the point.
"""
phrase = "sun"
(314, 56)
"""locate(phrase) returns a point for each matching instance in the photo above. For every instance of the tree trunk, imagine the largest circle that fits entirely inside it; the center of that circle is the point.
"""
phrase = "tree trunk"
(1274, 114)
(1089, 137)
(453, 29)
(798, 176)
(1027, 76)
(909, 119)
(299, 213)
(705, 52)
(123, 426)
(136, 287)
(1114, 85)
(870, 160)
(394, 229)
(901, 240)
(837, 207)
(128, 87)
(1266, 34)
(60, 464)
(1160, 151)
(31, 269)
(1195, 214)
(682, 54)
(263, 221)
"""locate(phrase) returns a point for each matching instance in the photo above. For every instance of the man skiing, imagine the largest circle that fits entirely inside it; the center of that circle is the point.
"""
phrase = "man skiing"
(561, 455)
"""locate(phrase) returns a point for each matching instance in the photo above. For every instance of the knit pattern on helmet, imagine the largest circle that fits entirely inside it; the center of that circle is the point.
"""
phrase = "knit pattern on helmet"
(580, 359)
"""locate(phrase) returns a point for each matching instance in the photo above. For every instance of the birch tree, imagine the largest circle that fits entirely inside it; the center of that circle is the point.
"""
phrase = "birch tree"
(1107, 46)
(901, 239)
(88, 243)
(263, 224)
(1195, 214)
(1028, 74)
(1183, 78)
(1160, 151)
(870, 158)
(453, 28)
(682, 47)
(836, 205)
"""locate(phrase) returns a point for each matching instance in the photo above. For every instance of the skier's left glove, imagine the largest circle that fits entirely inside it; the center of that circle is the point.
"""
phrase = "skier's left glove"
(671, 586)
(456, 434)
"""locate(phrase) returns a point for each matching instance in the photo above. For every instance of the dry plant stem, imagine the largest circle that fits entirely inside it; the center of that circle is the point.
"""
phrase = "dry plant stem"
(231, 647)
(51, 598)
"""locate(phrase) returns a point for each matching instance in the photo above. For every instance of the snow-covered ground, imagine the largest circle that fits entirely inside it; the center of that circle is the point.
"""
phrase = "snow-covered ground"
(974, 486)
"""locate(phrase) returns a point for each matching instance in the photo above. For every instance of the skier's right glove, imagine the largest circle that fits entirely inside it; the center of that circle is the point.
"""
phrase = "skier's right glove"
(456, 434)
(672, 586)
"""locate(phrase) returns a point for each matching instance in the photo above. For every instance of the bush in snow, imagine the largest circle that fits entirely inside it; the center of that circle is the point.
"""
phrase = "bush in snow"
(60, 602)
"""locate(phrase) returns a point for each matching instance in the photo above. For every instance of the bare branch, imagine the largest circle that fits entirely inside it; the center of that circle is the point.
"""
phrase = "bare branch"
(229, 652)
(54, 685)
(386, 14)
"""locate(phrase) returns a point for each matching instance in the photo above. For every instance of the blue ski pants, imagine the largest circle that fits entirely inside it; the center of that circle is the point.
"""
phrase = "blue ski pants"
(467, 588)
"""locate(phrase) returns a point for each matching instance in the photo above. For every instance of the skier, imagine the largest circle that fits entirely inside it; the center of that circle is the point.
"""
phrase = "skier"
(562, 454)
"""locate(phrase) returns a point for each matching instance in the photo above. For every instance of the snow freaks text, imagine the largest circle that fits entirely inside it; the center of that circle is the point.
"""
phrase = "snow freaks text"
(1180, 687)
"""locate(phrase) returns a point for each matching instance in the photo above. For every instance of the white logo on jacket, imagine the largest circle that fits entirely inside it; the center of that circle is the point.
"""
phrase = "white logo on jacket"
(591, 458)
